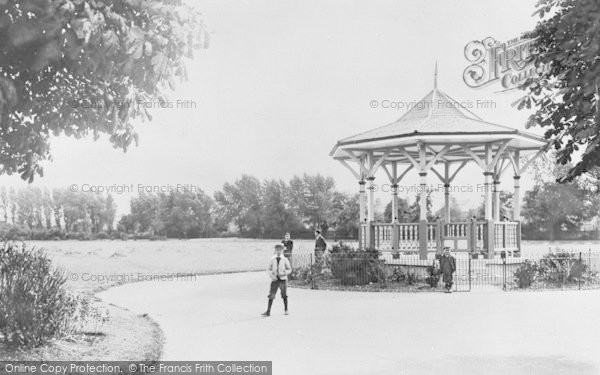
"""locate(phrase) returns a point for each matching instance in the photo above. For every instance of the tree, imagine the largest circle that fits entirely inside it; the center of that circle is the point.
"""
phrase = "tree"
(277, 216)
(109, 212)
(4, 203)
(80, 67)
(346, 212)
(311, 197)
(552, 207)
(414, 211)
(566, 97)
(241, 203)
(144, 211)
(403, 209)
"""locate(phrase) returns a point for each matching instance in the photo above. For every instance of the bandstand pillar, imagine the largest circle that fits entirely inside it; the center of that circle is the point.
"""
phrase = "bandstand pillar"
(423, 216)
(362, 197)
(371, 213)
(517, 187)
(496, 195)
(516, 199)
(447, 192)
(488, 203)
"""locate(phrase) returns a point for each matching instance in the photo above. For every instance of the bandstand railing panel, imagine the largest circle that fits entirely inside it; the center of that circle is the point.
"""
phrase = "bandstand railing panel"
(383, 236)
(432, 236)
(457, 235)
(480, 230)
(506, 235)
(469, 236)
(408, 236)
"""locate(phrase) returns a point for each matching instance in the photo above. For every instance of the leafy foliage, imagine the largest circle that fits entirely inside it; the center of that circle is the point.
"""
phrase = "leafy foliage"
(181, 214)
(35, 305)
(353, 267)
(37, 213)
(80, 67)
(526, 274)
(555, 270)
(566, 97)
(556, 207)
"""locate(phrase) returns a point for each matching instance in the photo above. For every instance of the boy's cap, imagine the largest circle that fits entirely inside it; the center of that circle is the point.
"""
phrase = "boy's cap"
(278, 247)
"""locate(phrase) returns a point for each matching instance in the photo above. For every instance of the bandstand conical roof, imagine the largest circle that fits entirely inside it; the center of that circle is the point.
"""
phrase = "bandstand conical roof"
(437, 120)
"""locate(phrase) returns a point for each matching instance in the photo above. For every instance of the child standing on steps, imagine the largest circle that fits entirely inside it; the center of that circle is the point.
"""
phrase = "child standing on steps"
(279, 269)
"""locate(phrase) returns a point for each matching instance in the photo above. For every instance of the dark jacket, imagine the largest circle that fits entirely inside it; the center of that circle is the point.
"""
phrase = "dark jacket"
(289, 245)
(447, 264)
(320, 244)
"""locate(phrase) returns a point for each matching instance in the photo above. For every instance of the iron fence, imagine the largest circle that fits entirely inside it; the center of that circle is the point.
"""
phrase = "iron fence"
(381, 272)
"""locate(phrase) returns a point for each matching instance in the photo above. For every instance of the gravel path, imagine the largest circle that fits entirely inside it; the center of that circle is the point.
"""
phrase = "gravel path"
(482, 332)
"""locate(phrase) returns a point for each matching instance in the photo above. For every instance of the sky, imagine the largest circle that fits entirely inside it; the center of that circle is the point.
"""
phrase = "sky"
(284, 80)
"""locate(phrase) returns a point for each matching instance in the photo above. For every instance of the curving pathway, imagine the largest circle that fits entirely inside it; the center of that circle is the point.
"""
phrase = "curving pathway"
(485, 332)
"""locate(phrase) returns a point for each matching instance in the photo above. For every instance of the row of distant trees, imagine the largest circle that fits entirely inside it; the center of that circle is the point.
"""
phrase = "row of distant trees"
(35, 212)
(249, 207)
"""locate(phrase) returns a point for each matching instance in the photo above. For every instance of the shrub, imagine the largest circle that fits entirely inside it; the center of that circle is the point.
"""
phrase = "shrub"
(561, 268)
(357, 267)
(301, 274)
(35, 305)
(411, 278)
(526, 274)
(101, 236)
(396, 276)
(433, 275)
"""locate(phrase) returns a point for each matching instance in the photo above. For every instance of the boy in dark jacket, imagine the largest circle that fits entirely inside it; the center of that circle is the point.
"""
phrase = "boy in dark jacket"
(288, 245)
(447, 267)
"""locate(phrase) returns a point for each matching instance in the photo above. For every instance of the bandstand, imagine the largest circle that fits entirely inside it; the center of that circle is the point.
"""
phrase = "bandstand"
(438, 137)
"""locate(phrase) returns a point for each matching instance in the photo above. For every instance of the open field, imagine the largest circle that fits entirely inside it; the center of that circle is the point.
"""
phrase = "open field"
(97, 265)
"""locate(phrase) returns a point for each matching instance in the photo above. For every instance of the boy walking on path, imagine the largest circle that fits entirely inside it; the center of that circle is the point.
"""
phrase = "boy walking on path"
(279, 269)
(447, 266)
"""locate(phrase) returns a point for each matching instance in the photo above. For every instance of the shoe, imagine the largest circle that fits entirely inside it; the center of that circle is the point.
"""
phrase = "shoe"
(287, 312)
(265, 314)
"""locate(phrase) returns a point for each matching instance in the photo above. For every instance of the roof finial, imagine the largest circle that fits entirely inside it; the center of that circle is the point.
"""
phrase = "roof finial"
(435, 76)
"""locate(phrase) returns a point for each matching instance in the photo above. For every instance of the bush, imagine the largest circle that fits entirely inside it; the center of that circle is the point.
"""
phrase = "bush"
(301, 274)
(101, 236)
(433, 275)
(356, 267)
(562, 267)
(526, 274)
(35, 305)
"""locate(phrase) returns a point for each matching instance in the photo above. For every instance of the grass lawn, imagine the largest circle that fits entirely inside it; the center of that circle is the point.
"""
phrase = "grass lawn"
(126, 336)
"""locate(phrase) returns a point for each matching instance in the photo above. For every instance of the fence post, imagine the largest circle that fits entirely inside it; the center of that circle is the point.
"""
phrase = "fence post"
(581, 267)
(439, 240)
(312, 279)
(469, 274)
(490, 238)
(504, 272)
